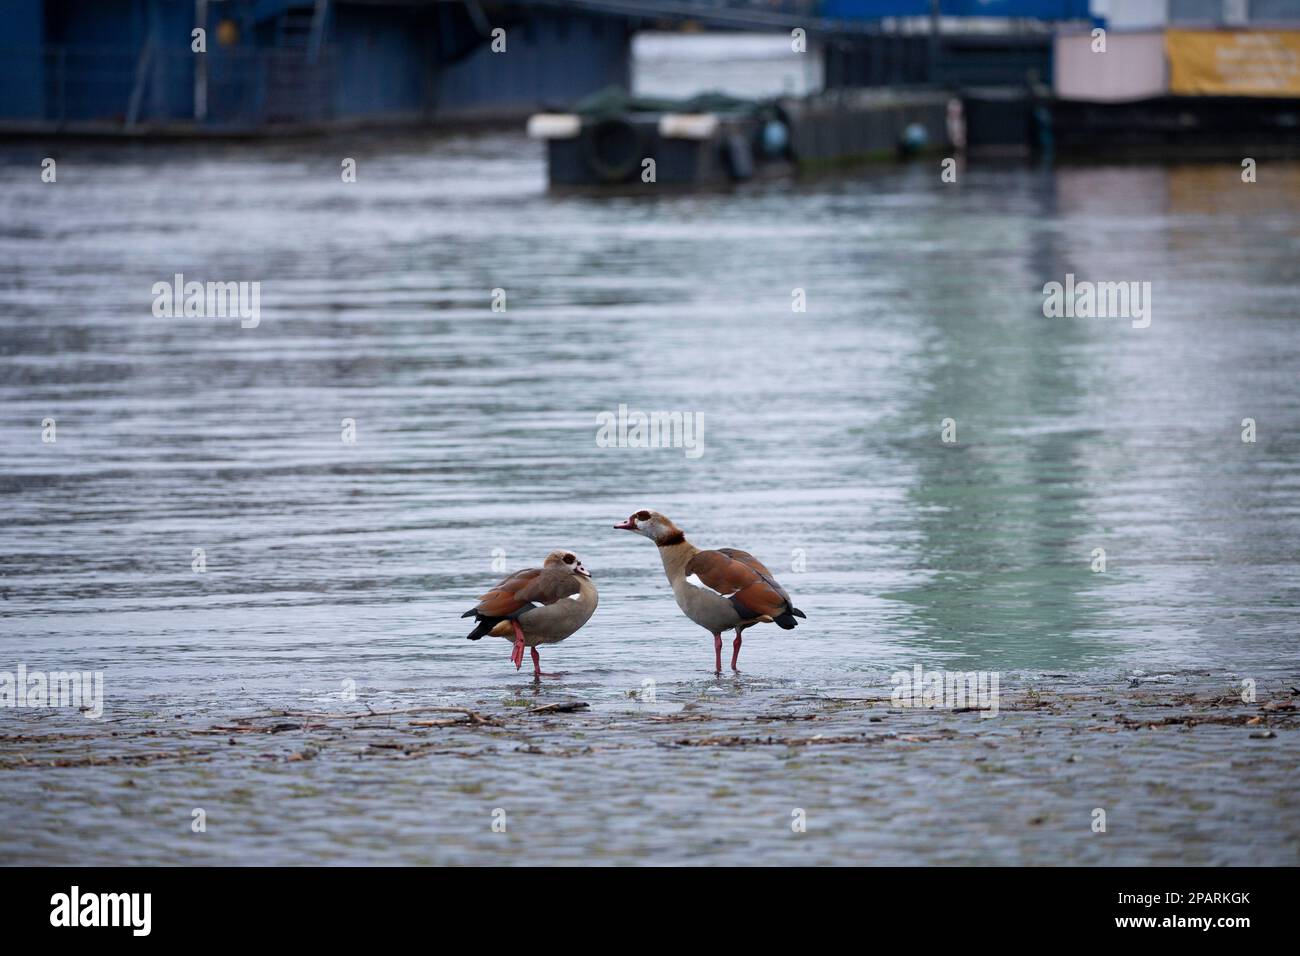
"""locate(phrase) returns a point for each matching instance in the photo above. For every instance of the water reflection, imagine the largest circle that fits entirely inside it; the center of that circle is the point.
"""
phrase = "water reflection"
(477, 429)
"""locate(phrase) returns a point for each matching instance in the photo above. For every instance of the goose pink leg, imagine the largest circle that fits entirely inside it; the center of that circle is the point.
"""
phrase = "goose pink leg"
(517, 654)
(537, 666)
(735, 651)
(717, 652)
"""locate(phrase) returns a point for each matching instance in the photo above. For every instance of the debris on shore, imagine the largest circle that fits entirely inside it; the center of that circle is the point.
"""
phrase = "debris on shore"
(404, 732)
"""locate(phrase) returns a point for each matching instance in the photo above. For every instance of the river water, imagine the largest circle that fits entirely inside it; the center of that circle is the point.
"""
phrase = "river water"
(335, 572)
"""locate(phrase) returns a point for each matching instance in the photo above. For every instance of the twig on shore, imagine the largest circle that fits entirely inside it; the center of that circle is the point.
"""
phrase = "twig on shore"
(370, 713)
(467, 718)
(566, 707)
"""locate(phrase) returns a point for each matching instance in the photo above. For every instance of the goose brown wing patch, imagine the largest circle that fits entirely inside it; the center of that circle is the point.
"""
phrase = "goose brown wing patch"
(506, 598)
(549, 587)
(744, 557)
(741, 577)
(530, 586)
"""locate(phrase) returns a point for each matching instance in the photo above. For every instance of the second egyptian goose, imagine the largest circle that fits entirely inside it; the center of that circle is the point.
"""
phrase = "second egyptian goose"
(537, 606)
(718, 590)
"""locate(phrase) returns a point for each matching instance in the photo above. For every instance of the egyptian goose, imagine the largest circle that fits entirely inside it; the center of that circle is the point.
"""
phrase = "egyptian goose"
(718, 590)
(537, 606)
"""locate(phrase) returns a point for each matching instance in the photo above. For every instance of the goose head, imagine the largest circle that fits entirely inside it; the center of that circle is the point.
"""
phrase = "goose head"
(566, 561)
(653, 525)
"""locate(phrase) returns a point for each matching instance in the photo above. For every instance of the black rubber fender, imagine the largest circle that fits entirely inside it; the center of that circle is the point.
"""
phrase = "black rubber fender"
(613, 149)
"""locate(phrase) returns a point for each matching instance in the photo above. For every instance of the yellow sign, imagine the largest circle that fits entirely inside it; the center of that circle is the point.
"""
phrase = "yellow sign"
(1234, 62)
